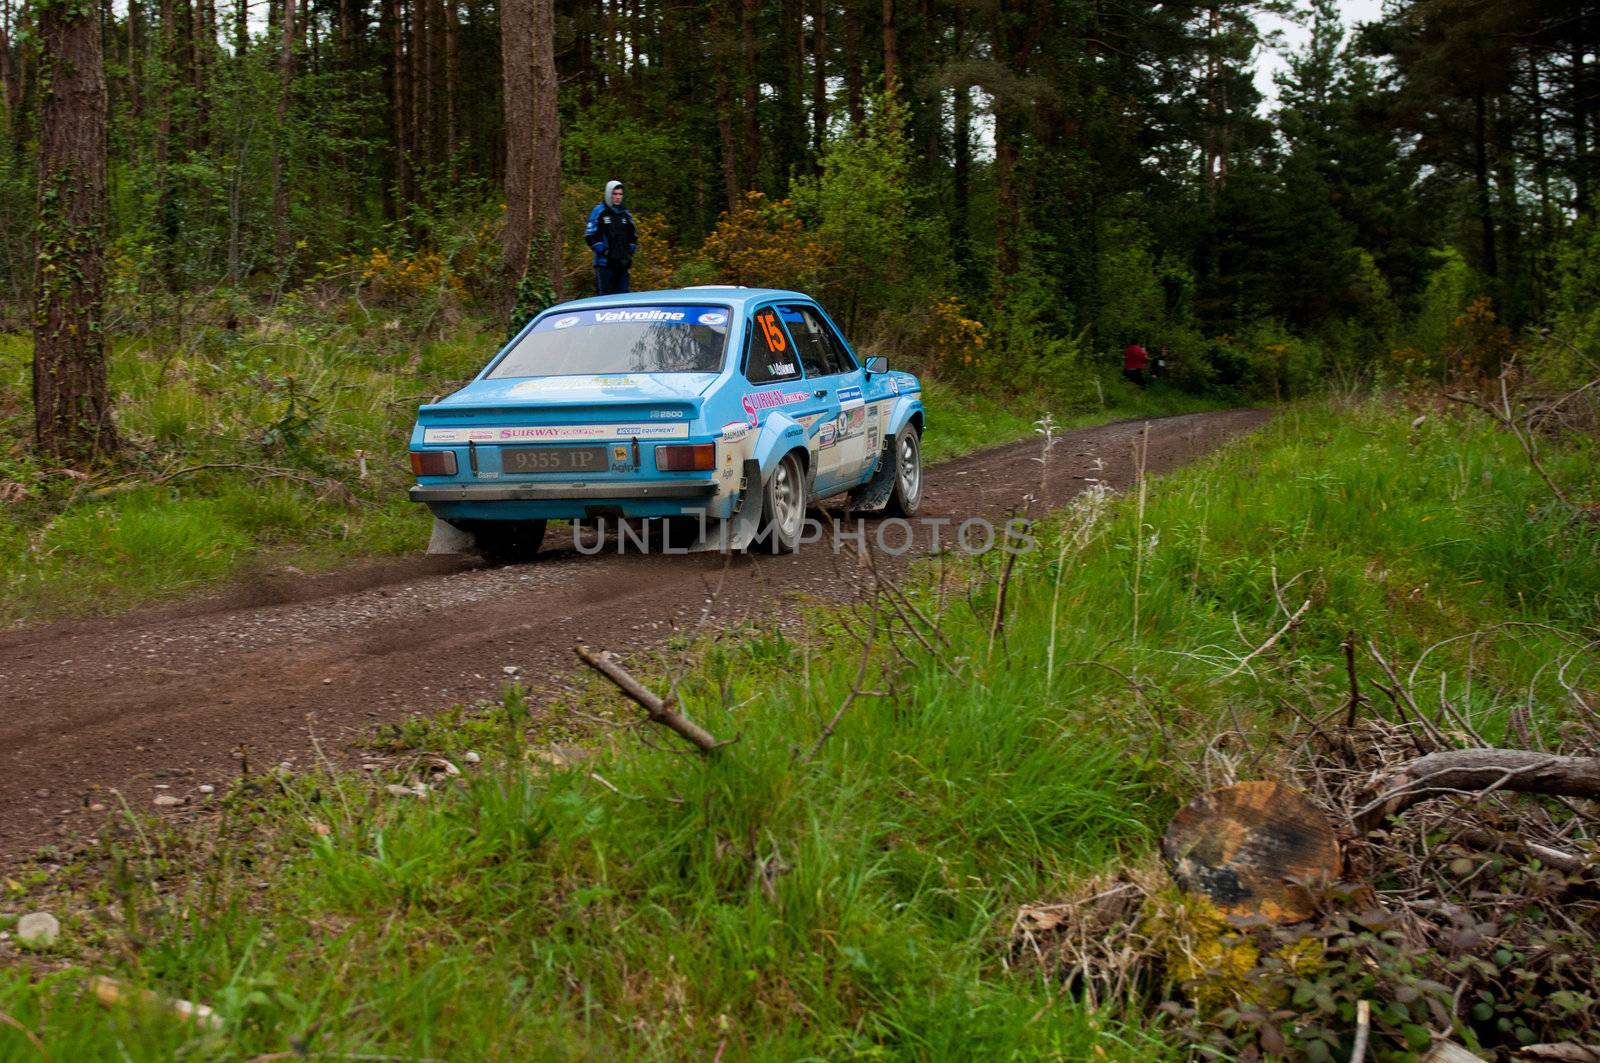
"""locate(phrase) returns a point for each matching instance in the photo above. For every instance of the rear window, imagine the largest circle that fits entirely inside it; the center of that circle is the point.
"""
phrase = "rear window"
(622, 339)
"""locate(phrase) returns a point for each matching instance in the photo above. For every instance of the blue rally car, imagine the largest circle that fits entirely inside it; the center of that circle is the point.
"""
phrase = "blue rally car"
(736, 406)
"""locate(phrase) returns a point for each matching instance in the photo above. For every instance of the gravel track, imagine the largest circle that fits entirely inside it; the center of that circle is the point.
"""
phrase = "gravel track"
(158, 701)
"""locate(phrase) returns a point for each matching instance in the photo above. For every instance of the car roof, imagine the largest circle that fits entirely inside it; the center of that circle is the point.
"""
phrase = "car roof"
(737, 296)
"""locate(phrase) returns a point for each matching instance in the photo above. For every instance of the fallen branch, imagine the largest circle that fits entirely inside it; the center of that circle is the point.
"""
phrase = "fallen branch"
(657, 709)
(1475, 772)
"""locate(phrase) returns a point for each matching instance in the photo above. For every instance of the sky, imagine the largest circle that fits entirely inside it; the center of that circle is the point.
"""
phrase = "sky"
(1295, 36)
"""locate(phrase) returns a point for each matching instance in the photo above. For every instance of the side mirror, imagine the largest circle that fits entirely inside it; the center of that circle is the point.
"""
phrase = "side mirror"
(877, 364)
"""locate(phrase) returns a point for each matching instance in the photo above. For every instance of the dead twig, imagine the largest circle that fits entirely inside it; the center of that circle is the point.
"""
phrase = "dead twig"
(1293, 622)
(856, 690)
(657, 709)
(1356, 698)
(1358, 1051)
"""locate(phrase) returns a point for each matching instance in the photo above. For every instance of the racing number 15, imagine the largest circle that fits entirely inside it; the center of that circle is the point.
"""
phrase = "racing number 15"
(771, 332)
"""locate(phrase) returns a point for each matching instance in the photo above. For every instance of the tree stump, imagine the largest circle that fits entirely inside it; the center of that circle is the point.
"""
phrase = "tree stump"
(1248, 846)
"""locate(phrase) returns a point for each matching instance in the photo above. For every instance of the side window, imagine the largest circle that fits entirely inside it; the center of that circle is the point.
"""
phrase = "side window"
(817, 342)
(813, 355)
(768, 353)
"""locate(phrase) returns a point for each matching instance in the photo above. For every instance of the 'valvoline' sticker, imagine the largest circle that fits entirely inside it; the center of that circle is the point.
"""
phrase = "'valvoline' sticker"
(711, 317)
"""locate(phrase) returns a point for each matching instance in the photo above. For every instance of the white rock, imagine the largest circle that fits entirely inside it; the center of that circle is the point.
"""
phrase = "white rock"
(207, 788)
(470, 757)
(511, 669)
(167, 801)
(397, 790)
(39, 929)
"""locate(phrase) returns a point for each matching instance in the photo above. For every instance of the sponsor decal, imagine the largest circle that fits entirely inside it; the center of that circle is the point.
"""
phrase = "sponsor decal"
(555, 433)
(781, 369)
(849, 397)
(848, 425)
(706, 316)
(613, 317)
(619, 454)
(734, 431)
(894, 385)
(756, 401)
(666, 415)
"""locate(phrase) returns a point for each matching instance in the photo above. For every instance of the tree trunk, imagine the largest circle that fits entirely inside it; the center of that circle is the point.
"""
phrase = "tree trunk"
(1480, 171)
(280, 182)
(961, 177)
(203, 39)
(420, 131)
(72, 405)
(855, 78)
(819, 76)
(751, 155)
(532, 239)
(400, 104)
(1582, 168)
(10, 73)
(452, 80)
(891, 51)
(241, 28)
(546, 179)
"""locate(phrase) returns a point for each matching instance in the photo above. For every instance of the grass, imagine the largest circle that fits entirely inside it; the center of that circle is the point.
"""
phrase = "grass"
(646, 904)
(291, 409)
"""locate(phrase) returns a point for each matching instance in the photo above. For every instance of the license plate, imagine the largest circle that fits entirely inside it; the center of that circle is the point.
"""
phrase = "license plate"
(554, 459)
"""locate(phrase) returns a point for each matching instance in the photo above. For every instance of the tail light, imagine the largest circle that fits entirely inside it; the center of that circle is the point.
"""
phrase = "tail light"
(433, 462)
(694, 457)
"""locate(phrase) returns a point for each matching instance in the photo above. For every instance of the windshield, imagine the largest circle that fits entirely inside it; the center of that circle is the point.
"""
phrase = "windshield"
(623, 339)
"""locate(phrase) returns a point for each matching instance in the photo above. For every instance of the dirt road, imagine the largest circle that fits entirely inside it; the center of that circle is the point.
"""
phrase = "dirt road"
(156, 702)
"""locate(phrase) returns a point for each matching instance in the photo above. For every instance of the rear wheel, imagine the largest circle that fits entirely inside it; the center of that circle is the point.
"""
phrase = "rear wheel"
(783, 507)
(507, 540)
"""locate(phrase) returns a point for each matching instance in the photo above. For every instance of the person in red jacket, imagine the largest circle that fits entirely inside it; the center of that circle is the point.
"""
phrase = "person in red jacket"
(1135, 360)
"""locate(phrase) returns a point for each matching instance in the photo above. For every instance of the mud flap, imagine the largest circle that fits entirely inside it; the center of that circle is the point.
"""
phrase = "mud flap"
(449, 539)
(873, 496)
(739, 530)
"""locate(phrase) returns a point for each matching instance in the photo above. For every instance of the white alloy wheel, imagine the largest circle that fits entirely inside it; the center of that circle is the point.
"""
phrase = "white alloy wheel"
(783, 506)
(907, 493)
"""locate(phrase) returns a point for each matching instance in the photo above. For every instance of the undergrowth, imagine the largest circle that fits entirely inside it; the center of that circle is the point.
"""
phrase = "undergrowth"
(284, 445)
(642, 902)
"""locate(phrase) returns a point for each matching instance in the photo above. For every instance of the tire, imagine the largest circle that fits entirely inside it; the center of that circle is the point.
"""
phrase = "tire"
(906, 495)
(783, 507)
(507, 540)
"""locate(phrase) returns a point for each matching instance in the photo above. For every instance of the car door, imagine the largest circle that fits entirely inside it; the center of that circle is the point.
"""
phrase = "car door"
(778, 378)
(849, 445)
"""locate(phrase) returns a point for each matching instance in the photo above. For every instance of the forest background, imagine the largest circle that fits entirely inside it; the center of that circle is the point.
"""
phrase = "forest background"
(1003, 188)
(245, 240)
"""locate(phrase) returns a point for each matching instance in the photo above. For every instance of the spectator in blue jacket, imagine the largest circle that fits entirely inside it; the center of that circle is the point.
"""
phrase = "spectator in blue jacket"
(614, 238)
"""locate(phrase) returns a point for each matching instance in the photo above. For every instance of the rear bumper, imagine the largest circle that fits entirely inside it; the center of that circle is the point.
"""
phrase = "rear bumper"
(558, 492)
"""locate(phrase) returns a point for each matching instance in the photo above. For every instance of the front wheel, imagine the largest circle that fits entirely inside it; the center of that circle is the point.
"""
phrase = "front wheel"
(783, 507)
(906, 494)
